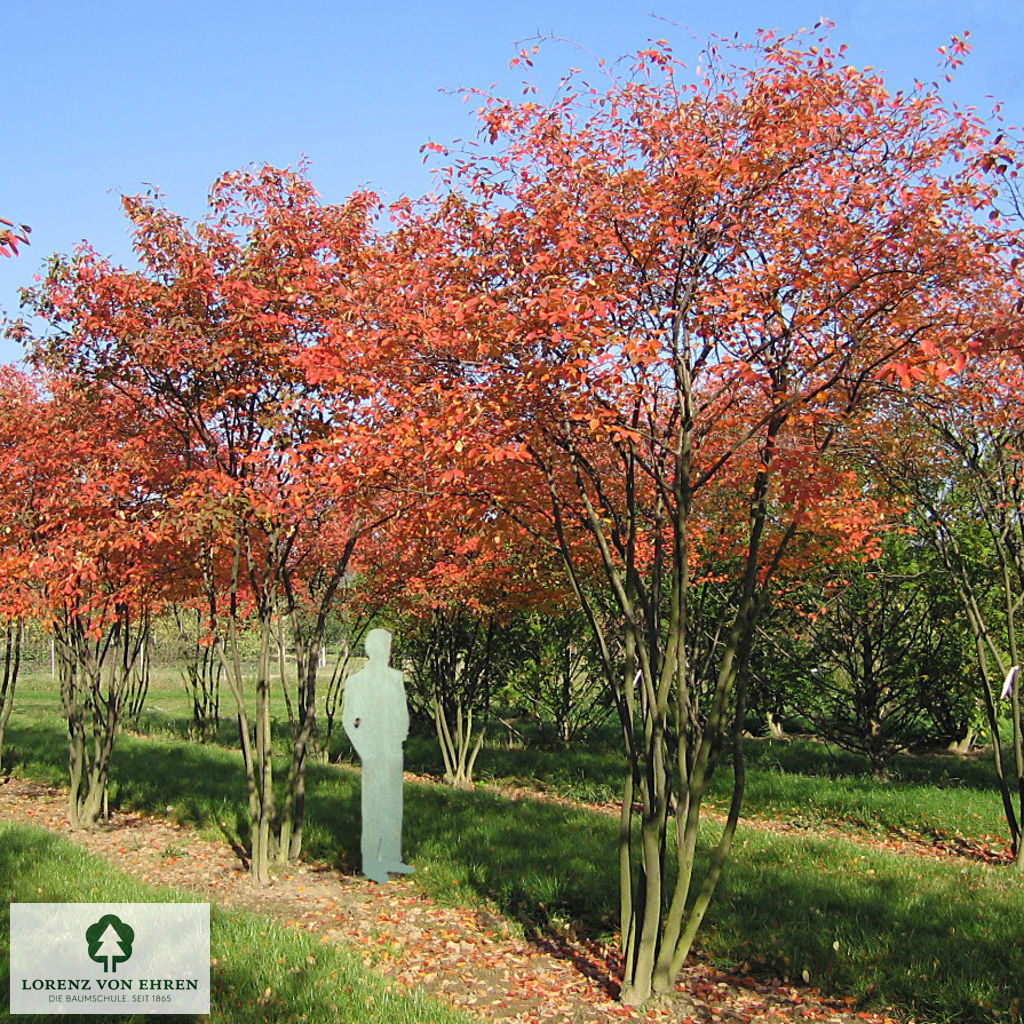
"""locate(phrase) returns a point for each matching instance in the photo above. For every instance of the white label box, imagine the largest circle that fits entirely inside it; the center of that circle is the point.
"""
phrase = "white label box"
(110, 958)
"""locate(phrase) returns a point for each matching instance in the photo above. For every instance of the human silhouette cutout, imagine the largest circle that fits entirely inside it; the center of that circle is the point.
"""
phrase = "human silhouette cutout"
(376, 720)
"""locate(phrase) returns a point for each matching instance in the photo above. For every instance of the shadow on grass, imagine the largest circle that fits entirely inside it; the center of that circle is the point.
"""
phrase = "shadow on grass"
(810, 757)
(941, 939)
(200, 785)
(937, 938)
(537, 862)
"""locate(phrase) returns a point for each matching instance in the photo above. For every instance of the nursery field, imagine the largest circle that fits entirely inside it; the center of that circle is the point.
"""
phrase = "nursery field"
(893, 896)
(684, 406)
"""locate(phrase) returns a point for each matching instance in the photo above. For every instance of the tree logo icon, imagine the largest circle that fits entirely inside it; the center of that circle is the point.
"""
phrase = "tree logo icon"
(110, 942)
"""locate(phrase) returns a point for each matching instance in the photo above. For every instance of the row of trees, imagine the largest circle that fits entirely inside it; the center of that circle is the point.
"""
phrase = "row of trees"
(641, 353)
(877, 661)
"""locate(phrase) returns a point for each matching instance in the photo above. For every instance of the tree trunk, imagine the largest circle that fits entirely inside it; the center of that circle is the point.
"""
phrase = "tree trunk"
(459, 744)
(95, 674)
(12, 662)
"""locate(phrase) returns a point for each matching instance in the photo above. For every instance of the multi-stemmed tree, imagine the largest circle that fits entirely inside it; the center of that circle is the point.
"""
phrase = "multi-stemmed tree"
(655, 311)
(85, 552)
(958, 457)
(275, 477)
(643, 326)
(870, 654)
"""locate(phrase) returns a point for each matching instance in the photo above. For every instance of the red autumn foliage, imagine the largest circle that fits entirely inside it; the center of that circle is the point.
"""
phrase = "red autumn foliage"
(654, 316)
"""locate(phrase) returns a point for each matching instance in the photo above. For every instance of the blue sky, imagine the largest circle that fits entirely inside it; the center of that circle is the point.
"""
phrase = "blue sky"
(105, 97)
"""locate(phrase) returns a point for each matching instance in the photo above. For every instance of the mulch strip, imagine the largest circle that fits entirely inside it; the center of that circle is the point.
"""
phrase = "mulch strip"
(468, 958)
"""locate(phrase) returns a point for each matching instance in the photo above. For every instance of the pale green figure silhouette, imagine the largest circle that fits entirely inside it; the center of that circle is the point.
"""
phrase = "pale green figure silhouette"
(376, 720)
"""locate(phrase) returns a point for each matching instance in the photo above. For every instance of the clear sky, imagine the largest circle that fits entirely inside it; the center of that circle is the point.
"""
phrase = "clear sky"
(106, 96)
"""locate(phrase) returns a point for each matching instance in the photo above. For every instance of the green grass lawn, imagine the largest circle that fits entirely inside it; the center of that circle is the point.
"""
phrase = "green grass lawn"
(261, 971)
(940, 940)
(800, 781)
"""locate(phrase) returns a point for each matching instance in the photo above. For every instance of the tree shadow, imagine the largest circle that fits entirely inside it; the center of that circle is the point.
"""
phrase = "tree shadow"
(546, 865)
